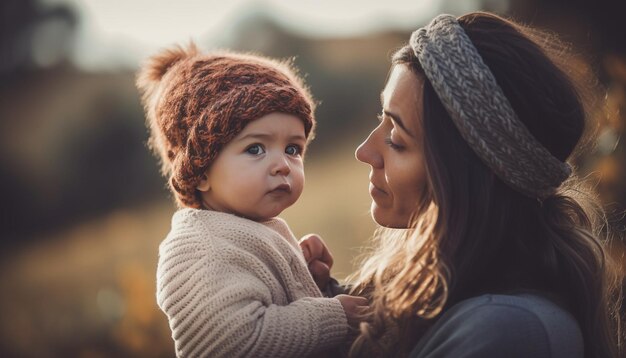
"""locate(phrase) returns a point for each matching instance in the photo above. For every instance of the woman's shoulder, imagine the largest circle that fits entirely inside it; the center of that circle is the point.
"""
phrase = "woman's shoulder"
(527, 308)
(524, 325)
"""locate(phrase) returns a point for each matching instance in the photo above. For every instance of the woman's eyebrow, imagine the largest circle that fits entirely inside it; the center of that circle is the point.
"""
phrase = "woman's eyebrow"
(396, 118)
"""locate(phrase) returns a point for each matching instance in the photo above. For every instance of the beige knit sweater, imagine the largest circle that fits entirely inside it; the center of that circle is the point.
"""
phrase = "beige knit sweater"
(232, 287)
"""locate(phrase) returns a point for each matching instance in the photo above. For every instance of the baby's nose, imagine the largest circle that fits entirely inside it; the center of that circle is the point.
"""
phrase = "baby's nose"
(280, 166)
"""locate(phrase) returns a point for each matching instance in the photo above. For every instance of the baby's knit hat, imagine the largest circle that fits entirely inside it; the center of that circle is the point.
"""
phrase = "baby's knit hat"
(196, 103)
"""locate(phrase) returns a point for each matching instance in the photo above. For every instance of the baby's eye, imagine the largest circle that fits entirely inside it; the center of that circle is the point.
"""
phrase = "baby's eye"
(293, 149)
(255, 149)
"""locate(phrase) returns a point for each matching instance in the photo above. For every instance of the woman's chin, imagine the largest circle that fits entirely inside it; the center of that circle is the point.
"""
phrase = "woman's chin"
(387, 218)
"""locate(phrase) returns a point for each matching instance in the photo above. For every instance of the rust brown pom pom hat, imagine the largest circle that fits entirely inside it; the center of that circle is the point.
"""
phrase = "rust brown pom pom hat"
(196, 103)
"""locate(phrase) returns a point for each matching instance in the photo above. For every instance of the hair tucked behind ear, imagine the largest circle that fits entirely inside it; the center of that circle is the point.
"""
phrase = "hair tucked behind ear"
(476, 235)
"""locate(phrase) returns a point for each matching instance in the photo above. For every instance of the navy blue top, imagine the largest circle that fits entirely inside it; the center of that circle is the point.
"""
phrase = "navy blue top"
(522, 325)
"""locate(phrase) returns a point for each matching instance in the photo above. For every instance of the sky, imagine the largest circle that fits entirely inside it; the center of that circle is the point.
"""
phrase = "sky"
(119, 32)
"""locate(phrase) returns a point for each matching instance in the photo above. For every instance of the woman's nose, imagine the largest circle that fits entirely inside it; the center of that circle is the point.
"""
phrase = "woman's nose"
(367, 153)
(280, 166)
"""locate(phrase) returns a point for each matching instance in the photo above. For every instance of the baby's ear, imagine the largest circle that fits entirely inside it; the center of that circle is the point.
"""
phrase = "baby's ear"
(204, 185)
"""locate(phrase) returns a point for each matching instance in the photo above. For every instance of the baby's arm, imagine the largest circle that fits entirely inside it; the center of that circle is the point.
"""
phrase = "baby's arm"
(222, 310)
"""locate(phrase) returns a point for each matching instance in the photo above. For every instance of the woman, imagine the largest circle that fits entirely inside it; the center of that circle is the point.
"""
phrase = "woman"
(501, 253)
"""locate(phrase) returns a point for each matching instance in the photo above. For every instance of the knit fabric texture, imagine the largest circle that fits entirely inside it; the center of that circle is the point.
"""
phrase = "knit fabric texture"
(232, 287)
(481, 112)
(196, 103)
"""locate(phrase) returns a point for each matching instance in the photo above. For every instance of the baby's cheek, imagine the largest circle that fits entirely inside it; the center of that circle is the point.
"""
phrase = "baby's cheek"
(244, 188)
(297, 185)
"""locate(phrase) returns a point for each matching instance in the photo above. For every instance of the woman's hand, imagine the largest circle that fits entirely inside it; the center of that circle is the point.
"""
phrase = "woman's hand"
(355, 308)
(318, 258)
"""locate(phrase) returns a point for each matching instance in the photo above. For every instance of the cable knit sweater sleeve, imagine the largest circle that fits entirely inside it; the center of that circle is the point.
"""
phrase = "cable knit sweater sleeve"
(241, 295)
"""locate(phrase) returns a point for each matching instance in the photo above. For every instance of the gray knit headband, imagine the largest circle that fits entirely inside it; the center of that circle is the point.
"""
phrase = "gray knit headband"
(481, 111)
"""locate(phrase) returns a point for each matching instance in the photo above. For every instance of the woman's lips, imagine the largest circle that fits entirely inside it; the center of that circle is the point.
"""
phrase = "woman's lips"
(376, 191)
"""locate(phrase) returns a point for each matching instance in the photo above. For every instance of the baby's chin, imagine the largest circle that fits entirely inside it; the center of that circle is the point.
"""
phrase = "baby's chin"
(263, 215)
(266, 210)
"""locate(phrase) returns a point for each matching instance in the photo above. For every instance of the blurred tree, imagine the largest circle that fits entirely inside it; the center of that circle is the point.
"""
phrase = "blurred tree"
(33, 35)
(22, 27)
(71, 143)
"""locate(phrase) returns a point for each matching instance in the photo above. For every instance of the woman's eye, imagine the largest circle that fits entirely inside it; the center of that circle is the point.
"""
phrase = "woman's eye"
(293, 149)
(255, 149)
(393, 145)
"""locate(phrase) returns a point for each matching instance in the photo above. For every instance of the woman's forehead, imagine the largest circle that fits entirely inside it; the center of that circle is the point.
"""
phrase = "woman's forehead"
(403, 96)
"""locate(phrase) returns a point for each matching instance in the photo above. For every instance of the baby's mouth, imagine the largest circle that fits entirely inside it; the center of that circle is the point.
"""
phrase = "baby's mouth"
(282, 188)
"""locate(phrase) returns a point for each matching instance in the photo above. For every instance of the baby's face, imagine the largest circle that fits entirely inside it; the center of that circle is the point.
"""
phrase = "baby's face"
(260, 172)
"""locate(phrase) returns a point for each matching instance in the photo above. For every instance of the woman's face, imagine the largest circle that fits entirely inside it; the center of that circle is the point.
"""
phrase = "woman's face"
(394, 151)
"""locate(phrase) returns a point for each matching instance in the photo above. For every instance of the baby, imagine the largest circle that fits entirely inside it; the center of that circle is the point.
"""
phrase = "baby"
(231, 131)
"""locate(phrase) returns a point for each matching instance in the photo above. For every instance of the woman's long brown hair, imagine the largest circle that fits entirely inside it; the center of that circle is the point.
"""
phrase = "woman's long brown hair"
(473, 234)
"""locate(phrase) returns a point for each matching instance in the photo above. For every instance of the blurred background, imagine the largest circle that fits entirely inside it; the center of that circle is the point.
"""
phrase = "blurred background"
(82, 206)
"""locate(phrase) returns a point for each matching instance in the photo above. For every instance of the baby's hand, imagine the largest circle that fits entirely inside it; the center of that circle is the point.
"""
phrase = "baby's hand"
(355, 307)
(318, 258)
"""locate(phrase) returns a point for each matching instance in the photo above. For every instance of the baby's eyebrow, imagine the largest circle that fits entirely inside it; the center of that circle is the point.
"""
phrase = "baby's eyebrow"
(257, 135)
(298, 137)
(269, 136)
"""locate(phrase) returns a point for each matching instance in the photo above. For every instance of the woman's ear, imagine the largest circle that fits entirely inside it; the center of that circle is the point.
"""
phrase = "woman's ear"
(204, 185)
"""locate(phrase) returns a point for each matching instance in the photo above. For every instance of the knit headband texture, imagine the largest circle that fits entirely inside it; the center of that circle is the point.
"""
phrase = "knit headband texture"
(481, 111)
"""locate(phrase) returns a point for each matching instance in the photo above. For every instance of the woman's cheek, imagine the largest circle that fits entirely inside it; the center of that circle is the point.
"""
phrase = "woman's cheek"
(407, 184)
